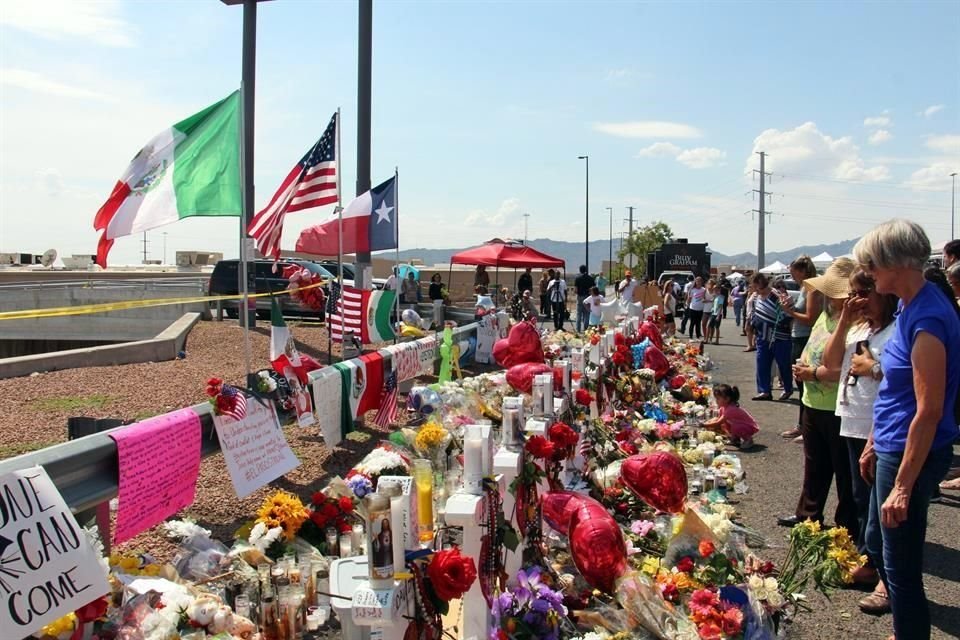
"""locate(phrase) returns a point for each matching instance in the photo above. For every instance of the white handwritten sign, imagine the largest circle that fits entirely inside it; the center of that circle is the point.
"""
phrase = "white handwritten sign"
(487, 334)
(254, 448)
(159, 462)
(47, 567)
(328, 397)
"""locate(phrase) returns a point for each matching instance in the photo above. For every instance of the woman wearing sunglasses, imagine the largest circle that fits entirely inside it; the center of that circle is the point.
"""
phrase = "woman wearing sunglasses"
(864, 327)
(914, 424)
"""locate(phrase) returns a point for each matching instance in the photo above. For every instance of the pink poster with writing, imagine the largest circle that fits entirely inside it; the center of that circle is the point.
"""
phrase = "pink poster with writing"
(159, 460)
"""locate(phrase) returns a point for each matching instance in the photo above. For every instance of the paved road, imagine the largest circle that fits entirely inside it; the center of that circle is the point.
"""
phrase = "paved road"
(774, 473)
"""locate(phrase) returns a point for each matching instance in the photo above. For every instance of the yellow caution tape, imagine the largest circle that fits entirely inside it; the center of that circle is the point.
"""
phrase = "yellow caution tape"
(53, 312)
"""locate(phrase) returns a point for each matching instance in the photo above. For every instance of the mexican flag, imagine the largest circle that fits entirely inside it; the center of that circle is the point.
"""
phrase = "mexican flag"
(190, 169)
(379, 306)
(283, 350)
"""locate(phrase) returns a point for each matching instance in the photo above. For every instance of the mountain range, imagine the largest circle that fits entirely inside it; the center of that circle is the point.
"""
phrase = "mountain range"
(572, 253)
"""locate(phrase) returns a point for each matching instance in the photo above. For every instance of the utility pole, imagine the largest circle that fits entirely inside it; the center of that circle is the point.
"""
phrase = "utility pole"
(364, 110)
(761, 233)
(525, 220)
(144, 248)
(630, 233)
(610, 258)
(953, 203)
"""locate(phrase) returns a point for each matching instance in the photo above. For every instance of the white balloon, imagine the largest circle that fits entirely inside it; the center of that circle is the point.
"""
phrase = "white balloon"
(411, 317)
(610, 310)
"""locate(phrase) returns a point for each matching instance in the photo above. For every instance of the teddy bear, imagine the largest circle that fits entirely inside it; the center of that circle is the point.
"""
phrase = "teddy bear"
(203, 610)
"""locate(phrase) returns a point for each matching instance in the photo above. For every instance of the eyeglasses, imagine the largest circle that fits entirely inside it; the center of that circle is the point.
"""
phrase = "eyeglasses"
(860, 293)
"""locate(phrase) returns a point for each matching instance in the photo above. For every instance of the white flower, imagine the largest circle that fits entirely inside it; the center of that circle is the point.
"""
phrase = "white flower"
(257, 532)
(184, 529)
(93, 537)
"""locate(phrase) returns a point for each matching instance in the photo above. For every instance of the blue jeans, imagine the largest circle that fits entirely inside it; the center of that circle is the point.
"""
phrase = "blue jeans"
(861, 491)
(738, 309)
(780, 351)
(581, 314)
(898, 553)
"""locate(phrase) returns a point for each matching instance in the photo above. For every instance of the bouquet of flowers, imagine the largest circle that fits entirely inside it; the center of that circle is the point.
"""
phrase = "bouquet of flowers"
(826, 555)
(225, 399)
(305, 287)
(384, 460)
(533, 610)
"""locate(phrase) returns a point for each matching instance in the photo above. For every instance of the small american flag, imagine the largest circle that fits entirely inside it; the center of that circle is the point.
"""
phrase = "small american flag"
(310, 184)
(239, 409)
(387, 414)
(349, 307)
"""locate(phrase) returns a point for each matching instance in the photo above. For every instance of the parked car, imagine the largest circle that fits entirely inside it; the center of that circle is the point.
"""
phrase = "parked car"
(224, 281)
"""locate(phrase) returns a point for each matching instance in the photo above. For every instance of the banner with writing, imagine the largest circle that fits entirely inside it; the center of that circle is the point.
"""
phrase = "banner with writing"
(254, 448)
(328, 398)
(47, 566)
(159, 464)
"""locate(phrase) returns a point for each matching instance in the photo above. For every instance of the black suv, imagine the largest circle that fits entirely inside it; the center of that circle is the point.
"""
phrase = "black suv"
(224, 281)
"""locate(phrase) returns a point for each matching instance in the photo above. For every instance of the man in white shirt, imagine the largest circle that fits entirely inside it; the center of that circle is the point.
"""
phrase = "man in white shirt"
(626, 288)
(391, 283)
(686, 305)
(557, 294)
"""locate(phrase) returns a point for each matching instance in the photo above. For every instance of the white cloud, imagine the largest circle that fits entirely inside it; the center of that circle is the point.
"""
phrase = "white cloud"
(945, 144)
(56, 19)
(506, 213)
(702, 157)
(647, 129)
(698, 158)
(50, 181)
(32, 81)
(877, 121)
(806, 150)
(660, 150)
(932, 109)
(936, 177)
(880, 136)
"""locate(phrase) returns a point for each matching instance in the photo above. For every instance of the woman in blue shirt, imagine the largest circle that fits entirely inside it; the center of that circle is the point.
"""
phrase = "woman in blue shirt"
(910, 449)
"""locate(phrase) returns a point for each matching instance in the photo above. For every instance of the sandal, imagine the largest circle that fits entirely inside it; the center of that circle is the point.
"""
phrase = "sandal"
(950, 485)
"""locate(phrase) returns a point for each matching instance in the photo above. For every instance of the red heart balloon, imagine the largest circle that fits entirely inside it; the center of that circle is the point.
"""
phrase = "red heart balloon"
(658, 478)
(520, 376)
(597, 546)
(650, 330)
(654, 359)
(521, 345)
(557, 507)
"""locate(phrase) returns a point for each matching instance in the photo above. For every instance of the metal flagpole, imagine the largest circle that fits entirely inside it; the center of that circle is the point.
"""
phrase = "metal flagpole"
(396, 241)
(343, 336)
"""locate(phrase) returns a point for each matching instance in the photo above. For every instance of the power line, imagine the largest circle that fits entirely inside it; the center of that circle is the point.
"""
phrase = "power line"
(873, 203)
(902, 186)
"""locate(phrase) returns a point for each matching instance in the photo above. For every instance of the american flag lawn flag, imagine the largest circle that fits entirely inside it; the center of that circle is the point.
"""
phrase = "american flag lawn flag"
(312, 183)
(239, 409)
(387, 414)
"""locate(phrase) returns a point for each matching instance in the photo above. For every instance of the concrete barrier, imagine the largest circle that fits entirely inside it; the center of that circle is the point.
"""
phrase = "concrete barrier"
(165, 346)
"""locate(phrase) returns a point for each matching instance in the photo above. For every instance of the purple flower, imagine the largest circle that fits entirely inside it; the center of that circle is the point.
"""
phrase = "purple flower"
(360, 485)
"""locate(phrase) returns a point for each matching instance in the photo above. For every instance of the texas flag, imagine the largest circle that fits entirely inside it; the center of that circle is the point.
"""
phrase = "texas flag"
(369, 224)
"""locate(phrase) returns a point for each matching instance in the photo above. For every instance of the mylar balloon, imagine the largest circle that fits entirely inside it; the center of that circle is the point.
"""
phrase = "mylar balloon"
(520, 376)
(610, 310)
(658, 478)
(521, 345)
(650, 330)
(423, 401)
(597, 546)
(557, 508)
(654, 359)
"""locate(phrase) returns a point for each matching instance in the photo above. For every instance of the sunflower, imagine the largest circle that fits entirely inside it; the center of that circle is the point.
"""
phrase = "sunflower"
(284, 510)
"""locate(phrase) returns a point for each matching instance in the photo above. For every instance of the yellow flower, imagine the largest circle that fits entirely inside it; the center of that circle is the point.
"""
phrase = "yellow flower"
(812, 526)
(284, 510)
(60, 626)
(650, 566)
(430, 436)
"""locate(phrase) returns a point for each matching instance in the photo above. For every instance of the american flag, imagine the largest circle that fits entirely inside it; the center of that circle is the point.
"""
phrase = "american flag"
(311, 183)
(239, 409)
(349, 306)
(387, 413)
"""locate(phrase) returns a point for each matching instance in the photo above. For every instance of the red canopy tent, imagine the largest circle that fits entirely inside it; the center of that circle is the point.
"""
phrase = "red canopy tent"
(503, 254)
(498, 253)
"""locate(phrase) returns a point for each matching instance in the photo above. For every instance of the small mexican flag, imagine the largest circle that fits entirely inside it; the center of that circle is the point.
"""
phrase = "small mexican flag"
(379, 306)
(190, 169)
(283, 350)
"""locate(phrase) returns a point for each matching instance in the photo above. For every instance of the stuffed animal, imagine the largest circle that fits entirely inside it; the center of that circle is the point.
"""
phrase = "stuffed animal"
(203, 609)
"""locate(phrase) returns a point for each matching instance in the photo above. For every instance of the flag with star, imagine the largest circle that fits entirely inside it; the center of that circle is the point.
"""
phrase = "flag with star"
(369, 224)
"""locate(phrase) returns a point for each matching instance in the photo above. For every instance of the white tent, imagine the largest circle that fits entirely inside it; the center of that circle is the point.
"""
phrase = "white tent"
(823, 260)
(776, 267)
(736, 275)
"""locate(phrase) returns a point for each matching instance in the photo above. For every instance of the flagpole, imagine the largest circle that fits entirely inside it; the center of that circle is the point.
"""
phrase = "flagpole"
(396, 242)
(343, 336)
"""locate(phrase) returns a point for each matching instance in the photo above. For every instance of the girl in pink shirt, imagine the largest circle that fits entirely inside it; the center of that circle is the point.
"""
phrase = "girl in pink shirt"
(733, 421)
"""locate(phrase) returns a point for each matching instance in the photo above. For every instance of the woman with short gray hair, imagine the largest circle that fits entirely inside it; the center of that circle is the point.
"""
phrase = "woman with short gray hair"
(910, 449)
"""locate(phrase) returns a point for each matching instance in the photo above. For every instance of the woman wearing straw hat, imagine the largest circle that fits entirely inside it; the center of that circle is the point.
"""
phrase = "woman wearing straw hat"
(914, 416)
(825, 454)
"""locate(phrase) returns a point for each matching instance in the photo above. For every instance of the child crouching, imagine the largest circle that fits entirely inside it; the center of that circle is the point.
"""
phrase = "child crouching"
(733, 421)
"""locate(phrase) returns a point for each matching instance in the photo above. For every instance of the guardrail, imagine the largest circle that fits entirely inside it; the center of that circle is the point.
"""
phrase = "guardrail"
(85, 471)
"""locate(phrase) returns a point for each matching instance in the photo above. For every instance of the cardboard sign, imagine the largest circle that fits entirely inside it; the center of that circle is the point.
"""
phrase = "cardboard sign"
(487, 334)
(254, 448)
(159, 462)
(47, 567)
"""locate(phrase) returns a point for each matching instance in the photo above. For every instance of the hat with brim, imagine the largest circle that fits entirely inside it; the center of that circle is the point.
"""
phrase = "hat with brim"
(835, 281)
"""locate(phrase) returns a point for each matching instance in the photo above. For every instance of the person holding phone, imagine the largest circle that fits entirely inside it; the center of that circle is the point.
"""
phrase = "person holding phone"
(867, 323)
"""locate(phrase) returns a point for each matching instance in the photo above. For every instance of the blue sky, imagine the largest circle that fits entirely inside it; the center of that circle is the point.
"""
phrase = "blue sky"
(484, 107)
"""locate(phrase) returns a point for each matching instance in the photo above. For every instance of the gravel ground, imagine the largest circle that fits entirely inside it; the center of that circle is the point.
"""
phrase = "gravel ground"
(34, 411)
(774, 473)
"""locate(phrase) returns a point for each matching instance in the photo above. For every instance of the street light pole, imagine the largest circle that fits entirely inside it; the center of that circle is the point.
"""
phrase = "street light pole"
(610, 257)
(586, 213)
(953, 203)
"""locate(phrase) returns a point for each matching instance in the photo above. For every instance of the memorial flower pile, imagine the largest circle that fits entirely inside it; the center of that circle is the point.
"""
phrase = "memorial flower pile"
(532, 610)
